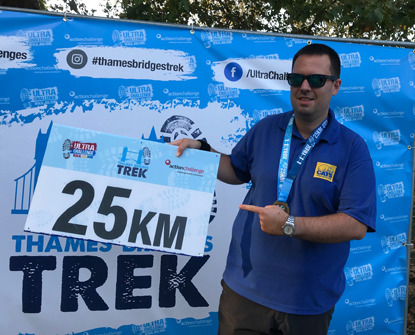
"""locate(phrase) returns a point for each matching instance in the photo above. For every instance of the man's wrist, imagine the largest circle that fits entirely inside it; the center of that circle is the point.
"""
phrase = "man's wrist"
(289, 227)
(204, 146)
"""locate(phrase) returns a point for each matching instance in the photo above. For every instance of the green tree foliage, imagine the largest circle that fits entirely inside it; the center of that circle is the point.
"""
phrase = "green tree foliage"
(245, 15)
(373, 19)
(370, 19)
(71, 6)
(28, 4)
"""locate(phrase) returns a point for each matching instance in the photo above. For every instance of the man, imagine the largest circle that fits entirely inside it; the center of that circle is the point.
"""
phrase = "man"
(284, 271)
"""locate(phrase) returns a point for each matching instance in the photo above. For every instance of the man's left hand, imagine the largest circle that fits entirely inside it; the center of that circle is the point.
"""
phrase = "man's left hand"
(271, 218)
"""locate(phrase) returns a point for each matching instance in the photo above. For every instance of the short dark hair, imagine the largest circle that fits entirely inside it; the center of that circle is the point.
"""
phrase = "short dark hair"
(321, 49)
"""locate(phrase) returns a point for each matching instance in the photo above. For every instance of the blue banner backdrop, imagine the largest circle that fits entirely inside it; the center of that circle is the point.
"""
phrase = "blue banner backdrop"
(160, 83)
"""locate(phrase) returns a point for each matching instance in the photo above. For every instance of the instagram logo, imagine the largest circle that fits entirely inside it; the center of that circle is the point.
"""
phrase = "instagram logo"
(77, 59)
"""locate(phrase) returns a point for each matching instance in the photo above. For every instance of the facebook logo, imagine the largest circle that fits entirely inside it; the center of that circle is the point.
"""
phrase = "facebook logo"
(233, 71)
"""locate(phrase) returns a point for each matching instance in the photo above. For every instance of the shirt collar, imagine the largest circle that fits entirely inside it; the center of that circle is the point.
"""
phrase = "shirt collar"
(330, 134)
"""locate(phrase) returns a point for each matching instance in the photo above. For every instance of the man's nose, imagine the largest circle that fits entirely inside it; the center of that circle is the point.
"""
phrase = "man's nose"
(305, 85)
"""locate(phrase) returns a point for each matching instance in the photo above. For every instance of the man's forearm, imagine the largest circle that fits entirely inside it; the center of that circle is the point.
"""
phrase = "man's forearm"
(334, 228)
(226, 172)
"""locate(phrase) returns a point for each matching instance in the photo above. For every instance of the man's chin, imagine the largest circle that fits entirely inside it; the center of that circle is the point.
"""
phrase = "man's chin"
(304, 111)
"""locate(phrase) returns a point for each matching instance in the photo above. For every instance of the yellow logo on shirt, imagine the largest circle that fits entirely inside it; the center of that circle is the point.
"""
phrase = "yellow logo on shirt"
(325, 171)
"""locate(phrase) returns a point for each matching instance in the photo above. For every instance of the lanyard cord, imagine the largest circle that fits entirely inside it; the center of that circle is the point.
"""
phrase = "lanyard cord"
(285, 180)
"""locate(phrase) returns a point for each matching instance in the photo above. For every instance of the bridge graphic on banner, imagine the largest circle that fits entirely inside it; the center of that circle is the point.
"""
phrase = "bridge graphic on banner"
(25, 184)
(24, 188)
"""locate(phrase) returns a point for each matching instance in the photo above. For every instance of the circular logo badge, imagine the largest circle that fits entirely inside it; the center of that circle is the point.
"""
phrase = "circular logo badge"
(168, 162)
(233, 71)
(77, 59)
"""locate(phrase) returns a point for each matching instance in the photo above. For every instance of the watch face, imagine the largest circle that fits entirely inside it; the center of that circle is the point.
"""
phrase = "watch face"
(288, 230)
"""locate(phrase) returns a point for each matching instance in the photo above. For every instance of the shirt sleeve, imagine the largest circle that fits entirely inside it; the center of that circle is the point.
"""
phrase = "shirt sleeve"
(241, 155)
(358, 194)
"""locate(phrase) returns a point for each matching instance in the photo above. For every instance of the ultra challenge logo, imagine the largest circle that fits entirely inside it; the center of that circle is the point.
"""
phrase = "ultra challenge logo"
(78, 149)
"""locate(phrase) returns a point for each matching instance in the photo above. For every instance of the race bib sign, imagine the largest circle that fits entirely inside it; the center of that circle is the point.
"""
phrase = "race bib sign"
(126, 191)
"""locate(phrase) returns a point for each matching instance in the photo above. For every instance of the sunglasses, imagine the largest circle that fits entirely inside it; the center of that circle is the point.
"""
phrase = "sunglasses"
(315, 80)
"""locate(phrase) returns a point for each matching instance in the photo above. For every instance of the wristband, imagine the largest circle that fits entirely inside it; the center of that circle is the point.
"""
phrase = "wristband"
(204, 146)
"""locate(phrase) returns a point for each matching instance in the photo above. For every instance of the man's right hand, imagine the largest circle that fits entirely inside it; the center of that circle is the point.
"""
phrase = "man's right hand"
(185, 143)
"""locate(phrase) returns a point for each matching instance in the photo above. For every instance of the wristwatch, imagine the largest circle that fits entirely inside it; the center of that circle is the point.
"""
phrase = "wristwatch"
(289, 227)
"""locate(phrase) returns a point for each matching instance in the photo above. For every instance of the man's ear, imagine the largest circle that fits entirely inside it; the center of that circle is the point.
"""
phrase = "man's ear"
(336, 86)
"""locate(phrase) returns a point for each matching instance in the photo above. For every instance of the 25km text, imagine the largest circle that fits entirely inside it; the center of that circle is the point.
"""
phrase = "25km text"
(138, 224)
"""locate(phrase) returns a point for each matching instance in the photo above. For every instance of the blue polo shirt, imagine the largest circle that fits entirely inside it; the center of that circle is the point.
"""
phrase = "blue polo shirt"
(289, 274)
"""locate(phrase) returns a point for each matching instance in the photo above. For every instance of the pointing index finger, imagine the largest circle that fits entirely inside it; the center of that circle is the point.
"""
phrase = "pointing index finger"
(251, 208)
